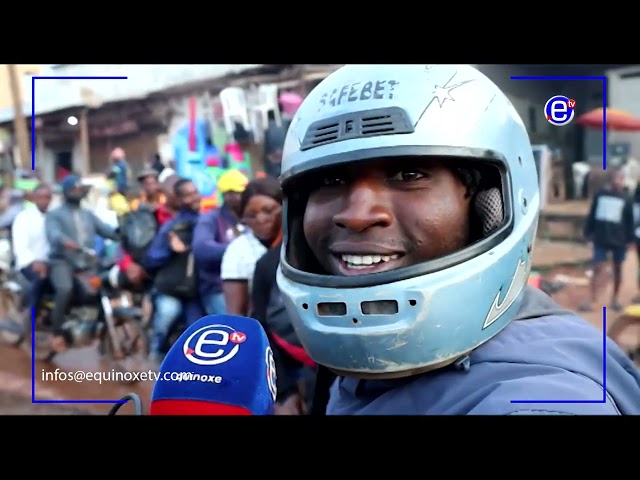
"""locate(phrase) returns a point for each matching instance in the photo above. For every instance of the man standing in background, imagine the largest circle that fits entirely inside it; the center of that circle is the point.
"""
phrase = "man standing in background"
(157, 164)
(119, 170)
(274, 136)
(610, 228)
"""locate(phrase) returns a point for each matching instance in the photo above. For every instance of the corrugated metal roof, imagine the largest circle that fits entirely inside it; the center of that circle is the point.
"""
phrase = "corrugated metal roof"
(142, 80)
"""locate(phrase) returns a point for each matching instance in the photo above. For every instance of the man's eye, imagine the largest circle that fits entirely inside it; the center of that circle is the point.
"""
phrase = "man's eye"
(407, 176)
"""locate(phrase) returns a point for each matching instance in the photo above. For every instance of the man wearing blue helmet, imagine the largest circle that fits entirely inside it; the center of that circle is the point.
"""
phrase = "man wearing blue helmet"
(410, 213)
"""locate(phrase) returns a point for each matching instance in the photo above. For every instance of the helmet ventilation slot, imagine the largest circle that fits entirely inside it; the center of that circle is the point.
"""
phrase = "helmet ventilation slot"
(375, 307)
(332, 309)
(349, 126)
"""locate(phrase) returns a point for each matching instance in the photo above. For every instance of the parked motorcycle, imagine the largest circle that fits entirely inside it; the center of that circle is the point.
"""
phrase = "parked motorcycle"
(11, 331)
(143, 300)
(92, 317)
(550, 287)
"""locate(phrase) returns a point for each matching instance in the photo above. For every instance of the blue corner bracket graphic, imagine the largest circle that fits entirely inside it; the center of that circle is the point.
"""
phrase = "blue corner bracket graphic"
(33, 312)
(602, 79)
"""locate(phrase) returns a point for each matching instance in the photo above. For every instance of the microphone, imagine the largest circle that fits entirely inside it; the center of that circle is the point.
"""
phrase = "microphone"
(221, 365)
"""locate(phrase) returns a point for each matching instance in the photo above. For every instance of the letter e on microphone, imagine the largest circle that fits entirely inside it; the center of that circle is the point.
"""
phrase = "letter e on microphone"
(271, 373)
(213, 345)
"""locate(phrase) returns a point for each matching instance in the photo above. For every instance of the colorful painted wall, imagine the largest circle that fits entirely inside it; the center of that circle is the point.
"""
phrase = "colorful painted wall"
(203, 156)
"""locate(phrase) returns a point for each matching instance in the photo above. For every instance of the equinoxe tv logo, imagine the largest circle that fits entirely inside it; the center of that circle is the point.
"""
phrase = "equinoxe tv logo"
(213, 345)
(560, 110)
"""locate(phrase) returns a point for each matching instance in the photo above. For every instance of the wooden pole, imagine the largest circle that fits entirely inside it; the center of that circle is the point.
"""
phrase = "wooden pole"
(84, 142)
(19, 123)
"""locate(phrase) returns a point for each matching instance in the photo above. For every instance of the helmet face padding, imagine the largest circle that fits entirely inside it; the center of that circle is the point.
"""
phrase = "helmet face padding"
(487, 210)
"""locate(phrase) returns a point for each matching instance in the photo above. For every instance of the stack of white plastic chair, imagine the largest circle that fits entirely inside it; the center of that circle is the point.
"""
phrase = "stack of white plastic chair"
(253, 99)
(267, 102)
(234, 108)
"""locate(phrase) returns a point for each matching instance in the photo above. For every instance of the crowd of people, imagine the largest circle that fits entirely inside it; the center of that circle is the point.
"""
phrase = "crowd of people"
(188, 263)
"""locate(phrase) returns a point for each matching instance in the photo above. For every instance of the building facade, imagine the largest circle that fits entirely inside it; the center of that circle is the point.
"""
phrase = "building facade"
(624, 94)
(127, 110)
(141, 113)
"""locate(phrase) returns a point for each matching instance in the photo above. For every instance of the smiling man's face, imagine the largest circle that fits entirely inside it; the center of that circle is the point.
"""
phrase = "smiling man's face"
(386, 214)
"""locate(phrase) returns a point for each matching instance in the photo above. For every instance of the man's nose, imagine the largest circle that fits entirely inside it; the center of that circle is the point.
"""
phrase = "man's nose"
(364, 207)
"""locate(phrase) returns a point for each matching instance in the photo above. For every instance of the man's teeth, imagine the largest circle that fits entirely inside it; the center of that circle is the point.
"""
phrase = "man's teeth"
(364, 261)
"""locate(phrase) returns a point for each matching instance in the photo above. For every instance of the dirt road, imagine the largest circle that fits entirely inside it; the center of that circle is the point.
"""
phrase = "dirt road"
(15, 379)
(572, 296)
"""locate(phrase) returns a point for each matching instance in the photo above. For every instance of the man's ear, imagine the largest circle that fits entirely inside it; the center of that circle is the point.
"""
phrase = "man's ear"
(470, 178)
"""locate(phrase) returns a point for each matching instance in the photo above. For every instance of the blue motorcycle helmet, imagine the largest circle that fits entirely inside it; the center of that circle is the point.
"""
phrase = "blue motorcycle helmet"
(384, 311)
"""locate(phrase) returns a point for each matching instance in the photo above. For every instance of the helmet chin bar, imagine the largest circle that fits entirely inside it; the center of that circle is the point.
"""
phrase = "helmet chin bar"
(437, 321)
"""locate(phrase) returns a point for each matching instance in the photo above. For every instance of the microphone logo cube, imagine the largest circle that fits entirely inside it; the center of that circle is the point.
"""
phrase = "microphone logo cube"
(213, 345)
(271, 373)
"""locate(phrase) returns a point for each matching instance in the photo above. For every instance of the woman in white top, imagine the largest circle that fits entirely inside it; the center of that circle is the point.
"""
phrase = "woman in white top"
(261, 207)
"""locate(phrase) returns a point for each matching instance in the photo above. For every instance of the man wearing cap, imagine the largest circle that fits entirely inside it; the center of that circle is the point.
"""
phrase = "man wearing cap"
(69, 228)
(151, 193)
(213, 232)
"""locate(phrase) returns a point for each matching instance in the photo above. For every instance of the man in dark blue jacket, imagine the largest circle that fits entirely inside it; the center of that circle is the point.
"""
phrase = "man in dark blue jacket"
(214, 231)
(166, 246)
(412, 203)
(70, 229)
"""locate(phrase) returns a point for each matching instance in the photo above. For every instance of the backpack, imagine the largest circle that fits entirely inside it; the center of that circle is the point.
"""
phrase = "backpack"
(178, 277)
(137, 230)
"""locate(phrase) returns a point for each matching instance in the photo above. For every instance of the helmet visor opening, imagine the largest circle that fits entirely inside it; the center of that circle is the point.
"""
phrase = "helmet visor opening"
(483, 219)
